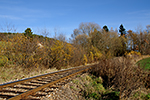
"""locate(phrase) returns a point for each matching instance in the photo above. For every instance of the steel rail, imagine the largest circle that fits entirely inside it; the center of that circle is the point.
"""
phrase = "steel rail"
(26, 94)
(35, 77)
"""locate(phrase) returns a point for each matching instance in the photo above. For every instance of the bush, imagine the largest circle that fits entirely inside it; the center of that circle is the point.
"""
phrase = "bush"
(120, 75)
(3, 60)
(94, 89)
(132, 54)
(85, 59)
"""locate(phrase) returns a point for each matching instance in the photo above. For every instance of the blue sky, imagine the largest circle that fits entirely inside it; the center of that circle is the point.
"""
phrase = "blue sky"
(66, 15)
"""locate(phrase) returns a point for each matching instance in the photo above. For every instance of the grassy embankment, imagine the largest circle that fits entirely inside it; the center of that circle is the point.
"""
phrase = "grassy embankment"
(121, 79)
(144, 63)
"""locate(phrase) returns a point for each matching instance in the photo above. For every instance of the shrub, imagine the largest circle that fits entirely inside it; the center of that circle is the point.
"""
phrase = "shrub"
(91, 57)
(3, 60)
(85, 59)
(121, 75)
(132, 53)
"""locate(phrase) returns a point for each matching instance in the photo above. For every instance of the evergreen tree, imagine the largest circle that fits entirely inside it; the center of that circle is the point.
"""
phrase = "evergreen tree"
(123, 40)
(28, 32)
(105, 28)
(122, 30)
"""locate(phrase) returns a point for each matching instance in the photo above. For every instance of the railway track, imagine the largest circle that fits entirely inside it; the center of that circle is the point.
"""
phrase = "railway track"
(34, 88)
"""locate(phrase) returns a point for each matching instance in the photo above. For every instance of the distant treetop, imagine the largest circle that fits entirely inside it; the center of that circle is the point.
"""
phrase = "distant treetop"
(28, 32)
(105, 28)
(122, 30)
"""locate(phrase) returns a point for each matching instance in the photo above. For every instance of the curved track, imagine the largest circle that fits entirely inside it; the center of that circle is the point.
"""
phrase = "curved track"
(35, 87)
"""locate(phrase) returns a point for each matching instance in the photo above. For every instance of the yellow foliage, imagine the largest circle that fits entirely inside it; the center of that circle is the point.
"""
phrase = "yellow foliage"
(133, 53)
(98, 55)
(60, 49)
(85, 59)
(25, 52)
(3, 60)
(108, 55)
(91, 57)
(126, 53)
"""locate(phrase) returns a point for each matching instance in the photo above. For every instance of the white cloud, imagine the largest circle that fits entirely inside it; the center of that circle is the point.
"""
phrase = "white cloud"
(20, 9)
(138, 12)
(10, 17)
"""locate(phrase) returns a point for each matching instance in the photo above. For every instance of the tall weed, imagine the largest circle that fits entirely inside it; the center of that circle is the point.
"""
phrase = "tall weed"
(121, 75)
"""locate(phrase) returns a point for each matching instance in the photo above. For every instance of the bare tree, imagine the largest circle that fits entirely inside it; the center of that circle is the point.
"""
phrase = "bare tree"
(148, 28)
(61, 37)
(139, 29)
(56, 32)
(8, 27)
(45, 32)
(85, 28)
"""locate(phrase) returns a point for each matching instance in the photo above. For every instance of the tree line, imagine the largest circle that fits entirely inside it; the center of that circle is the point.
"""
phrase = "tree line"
(110, 42)
(88, 43)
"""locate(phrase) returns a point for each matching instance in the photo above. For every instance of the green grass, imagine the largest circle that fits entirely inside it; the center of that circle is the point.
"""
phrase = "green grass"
(144, 63)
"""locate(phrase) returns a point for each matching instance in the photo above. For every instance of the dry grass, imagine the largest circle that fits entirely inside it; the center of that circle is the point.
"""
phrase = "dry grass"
(13, 73)
(121, 75)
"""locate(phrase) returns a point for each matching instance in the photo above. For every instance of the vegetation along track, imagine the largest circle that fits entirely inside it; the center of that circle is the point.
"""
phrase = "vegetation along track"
(35, 87)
